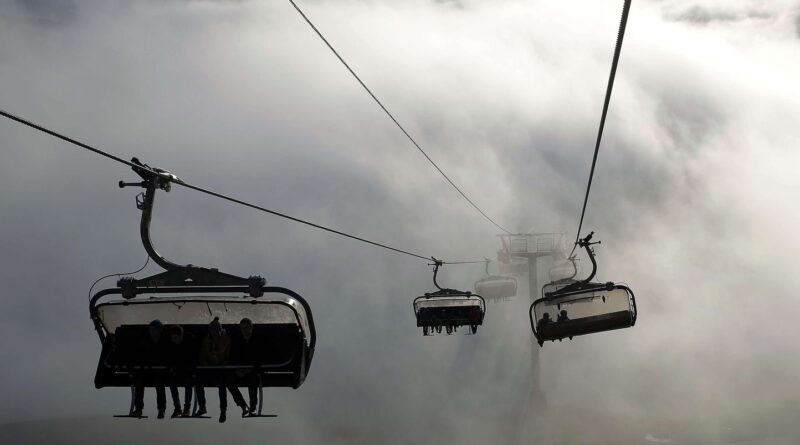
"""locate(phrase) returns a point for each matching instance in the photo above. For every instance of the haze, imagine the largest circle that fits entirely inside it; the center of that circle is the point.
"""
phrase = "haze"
(694, 199)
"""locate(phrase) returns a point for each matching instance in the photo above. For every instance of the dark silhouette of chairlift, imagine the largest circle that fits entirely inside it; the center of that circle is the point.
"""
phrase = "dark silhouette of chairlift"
(192, 296)
(496, 287)
(448, 309)
(583, 307)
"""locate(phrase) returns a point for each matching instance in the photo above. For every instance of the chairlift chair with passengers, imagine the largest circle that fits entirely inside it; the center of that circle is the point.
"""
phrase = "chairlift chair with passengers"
(569, 308)
(496, 287)
(191, 296)
(448, 309)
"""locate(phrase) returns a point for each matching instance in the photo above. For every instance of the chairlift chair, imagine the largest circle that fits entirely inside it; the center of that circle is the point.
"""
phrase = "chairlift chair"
(511, 265)
(496, 287)
(569, 308)
(448, 309)
(190, 296)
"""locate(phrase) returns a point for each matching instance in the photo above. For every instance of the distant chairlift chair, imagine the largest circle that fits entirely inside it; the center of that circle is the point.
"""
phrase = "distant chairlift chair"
(448, 309)
(496, 287)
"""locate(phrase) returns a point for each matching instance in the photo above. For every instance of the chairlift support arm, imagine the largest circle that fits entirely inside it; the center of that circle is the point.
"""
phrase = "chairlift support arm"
(586, 244)
(175, 274)
(436, 265)
(442, 291)
(144, 202)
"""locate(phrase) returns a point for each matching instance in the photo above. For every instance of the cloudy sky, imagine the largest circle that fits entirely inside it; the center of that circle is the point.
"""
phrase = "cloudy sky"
(694, 200)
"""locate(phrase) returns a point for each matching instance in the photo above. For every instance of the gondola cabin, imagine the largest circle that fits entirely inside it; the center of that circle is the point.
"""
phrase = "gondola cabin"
(595, 308)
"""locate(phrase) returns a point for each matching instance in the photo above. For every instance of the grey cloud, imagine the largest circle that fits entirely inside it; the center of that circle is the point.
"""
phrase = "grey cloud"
(49, 12)
(797, 23)
(702, 15)
(242, 99)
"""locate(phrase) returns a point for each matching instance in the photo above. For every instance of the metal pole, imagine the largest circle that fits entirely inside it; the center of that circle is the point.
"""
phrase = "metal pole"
(537, 396)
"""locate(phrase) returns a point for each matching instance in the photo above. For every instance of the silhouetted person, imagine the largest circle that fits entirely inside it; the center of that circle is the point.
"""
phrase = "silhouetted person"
(215, 351)
(152, 350)
(562, 316)
(244, 352)
(545, 320)
(179, 361)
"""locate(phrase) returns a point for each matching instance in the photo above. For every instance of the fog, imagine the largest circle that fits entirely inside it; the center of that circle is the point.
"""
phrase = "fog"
(693, 198)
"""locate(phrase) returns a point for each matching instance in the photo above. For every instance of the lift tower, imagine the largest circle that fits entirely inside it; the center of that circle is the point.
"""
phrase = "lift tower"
(517, 250)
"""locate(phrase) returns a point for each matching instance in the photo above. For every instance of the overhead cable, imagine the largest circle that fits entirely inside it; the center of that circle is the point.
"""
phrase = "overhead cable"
(391, 116)
(618, 48)
(211, 192)
(123, 274)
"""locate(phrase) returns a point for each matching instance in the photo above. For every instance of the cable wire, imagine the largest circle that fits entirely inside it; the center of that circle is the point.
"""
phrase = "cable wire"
(623, 22)
(70, 140)
(391, 116)
(211, 192)
(292, 218)
(146, 262)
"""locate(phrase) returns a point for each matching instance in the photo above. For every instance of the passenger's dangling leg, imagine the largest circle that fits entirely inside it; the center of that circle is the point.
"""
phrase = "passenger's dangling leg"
(223, 400)
(200, 393)
(230, 382)
(176, 401)
(138, 399)
(252, 391)
(187, 400)
(161, 395)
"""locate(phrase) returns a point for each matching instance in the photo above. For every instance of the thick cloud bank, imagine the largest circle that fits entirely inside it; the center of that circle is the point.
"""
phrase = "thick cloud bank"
(694, 200)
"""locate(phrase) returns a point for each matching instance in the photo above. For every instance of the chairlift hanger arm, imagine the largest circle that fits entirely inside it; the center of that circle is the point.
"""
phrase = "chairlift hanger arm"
(586, 244)
(151, 182)
(175, 274)
(573, 261)
(436, 265)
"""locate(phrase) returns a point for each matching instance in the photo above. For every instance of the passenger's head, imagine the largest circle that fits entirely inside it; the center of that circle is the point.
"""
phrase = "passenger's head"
(246, 328)
(215, 329)
(155, 329)
(176, 334)
(546, 316)
(563, 312)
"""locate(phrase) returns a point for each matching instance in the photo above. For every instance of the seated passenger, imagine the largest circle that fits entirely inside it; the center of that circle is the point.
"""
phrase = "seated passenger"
(179, 362)
(152, 350)
(562, 316)
(244, 352)
(215, 351)
(545, 320)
